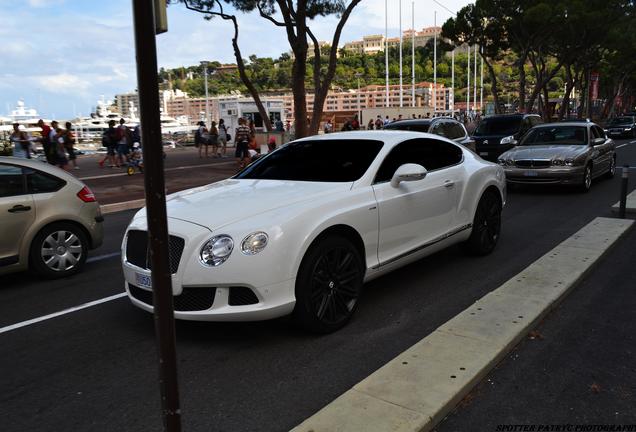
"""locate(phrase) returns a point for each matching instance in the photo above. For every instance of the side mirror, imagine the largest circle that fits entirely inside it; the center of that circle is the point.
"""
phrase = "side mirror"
(598, 141)
(408, 172)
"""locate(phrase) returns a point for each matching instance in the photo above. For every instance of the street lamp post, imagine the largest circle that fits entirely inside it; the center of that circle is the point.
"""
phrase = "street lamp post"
(358, 75)
(207, 104)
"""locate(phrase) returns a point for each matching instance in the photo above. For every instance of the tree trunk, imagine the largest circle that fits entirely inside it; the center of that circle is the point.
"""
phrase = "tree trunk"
(299, 68)
(547, 114)
(583, 96)
(543, 78)
(494, 89)
(569, 85)
(522, 80)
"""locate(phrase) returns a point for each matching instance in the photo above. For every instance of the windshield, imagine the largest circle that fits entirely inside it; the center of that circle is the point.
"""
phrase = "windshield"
(621, 120)
(559, 135)
(334, 160)
(499, 126)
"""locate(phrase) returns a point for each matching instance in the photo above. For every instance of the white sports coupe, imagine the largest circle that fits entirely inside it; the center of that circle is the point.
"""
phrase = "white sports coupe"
(300, 230)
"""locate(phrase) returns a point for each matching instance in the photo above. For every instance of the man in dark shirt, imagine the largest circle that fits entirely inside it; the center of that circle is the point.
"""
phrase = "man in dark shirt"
(242, 140)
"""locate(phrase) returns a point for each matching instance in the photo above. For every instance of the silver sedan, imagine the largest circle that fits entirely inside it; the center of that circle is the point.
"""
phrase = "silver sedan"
(561, 153)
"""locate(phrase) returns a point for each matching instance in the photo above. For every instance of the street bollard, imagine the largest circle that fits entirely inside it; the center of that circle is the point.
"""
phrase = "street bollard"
(624, 180)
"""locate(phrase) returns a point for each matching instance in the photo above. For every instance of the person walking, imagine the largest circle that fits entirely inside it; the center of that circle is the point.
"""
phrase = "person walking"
(69, 144)
(21, 142)
(45, 140)
(223, 136)
(214, 139)
(379, 124)
(242, 140)
(203, 140)
(328, 128)
(123, 142)
(109, 140)
(60, 150)
(370, 125)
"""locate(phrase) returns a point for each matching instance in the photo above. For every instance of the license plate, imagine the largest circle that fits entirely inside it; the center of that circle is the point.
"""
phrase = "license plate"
(615, 133)
(483, 153)
(143, 281)
(530, 173)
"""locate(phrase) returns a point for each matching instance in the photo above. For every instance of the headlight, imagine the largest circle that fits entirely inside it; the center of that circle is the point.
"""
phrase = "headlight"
(254, 243)
(509, 140)
(569, 162)
(628, 129)
(216, 250)
(558, 162)
(505, 162)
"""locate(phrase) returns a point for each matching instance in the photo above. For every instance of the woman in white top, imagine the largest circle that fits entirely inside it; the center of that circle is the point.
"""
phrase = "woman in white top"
(21, 142)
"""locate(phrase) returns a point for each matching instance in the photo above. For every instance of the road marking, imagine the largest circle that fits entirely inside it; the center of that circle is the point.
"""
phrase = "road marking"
(167, 169)
(103, 257)
(64, 312)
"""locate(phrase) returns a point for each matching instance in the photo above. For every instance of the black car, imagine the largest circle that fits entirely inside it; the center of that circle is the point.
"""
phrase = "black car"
(443, 126)
(621, 127)
(499, 133)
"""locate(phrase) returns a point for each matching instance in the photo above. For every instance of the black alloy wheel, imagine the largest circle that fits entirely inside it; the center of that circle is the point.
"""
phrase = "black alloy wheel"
(328, 285)
(486, 225)
(587, 179)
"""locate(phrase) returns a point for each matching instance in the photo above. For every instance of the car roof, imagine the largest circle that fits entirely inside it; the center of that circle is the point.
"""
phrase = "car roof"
(40, 166)
(516, 115)
(388, 136)
(421, 122)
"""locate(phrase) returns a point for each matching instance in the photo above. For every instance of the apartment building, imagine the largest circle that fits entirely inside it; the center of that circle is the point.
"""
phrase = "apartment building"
(372, 44)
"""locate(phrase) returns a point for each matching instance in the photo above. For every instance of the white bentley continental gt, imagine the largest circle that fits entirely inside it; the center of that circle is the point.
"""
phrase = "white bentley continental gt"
(300, 230)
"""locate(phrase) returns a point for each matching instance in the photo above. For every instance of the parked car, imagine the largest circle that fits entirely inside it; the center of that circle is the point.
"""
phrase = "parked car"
(499, 133)
(443, 126)
(48, 219)
(300, 230)
(624, 126)
(561, 153)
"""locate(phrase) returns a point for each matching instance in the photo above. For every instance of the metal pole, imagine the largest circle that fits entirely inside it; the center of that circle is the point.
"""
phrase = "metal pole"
(452, 105)
(359, 112)
(475, 82)
(624, 181)
(481, 88)
(146, 49)
(386, 52)
(413, 54)
(435, 63)
(468, 84)
(401, 89)
(207, 100)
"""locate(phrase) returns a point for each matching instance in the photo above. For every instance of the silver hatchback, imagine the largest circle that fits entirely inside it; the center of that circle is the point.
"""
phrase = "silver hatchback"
(48, 219)
(561, 153)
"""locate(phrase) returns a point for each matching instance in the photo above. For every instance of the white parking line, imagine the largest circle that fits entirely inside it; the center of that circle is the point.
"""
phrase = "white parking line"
(64, 312)
(102, 257)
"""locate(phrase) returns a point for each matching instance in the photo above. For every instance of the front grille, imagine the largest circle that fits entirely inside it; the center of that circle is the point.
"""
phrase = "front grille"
(138, 252)
(190, 299)
(241, 296)
(531, 163)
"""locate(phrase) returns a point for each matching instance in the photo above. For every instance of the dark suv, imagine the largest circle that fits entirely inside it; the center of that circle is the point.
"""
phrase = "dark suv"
(442, 126)
(499, 133)
(621, 126)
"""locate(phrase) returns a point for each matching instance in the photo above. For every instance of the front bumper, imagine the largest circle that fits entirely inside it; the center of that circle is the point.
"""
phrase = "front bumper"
(492, 152)
(553, 175)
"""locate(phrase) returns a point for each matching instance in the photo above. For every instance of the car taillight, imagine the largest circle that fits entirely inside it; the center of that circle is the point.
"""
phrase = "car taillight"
(86, 195)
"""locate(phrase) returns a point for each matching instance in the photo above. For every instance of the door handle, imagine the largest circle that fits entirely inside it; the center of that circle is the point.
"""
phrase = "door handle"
(19, 208)
(449, 183)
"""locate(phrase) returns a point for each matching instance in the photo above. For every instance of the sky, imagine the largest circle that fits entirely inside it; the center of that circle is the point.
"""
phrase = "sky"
(61, 56)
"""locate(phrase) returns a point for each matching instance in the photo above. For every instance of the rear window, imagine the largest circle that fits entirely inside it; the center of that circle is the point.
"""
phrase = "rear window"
(334, 160)
(39, 182)
(415, 127)
(499, 126)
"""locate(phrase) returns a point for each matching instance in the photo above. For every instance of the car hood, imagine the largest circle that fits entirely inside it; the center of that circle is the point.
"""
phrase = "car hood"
(218, 204)
(546, 152)
(492, 139)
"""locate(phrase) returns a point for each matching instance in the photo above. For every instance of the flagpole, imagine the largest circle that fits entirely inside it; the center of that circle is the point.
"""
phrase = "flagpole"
(475, 81)
(386, 52)
(481, 96)
(401, 94)
(435, 63)
(468, 83)
(453, 81)
(413, 54)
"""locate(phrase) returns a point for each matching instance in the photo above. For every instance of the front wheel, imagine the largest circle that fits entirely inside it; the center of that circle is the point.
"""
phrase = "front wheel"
(587, 179)
(612, 168)
(328, 285)
(59, 250)
(486, 225)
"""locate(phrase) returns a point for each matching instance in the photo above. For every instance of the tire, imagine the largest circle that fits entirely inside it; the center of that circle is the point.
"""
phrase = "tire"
(328, 285)
(586, 182)
(612, 168)
(59, 250)
(486, 225)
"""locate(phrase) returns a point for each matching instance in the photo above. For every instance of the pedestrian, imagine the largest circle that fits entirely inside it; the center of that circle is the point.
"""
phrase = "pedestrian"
(69, 144)
(328, 128)
(60, 150)
(387, 121)
(21, 142)
(370, 125)
(214, 139)
(279, 125)
(271, 144)
(347, 126)
(287, 126)
(123, 142)
(109, 140)
(46, 141)
(242, 140)
(223, 137)
(355, 124)
(252, 144)
(204, 139)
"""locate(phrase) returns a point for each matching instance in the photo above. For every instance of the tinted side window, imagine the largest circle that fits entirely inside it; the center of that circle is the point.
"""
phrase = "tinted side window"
(439, 128)
(457, 131)
(11, 181)
(598, 132)
(39, 182)
(431, 154)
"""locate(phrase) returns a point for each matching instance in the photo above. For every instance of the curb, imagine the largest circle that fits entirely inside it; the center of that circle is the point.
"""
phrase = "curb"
(418, 388)
(121, 206)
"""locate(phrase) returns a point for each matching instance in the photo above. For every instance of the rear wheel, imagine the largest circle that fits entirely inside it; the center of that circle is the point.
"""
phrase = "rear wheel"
(612, 168)
(59, 250)
(486, 225)
(328, 285)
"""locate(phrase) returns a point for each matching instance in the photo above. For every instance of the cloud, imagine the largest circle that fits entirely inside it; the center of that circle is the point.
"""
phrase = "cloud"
(63, 83)
(44, 3)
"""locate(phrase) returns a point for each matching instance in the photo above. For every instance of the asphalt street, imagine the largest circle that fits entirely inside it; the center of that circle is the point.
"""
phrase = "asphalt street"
(96, 369)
